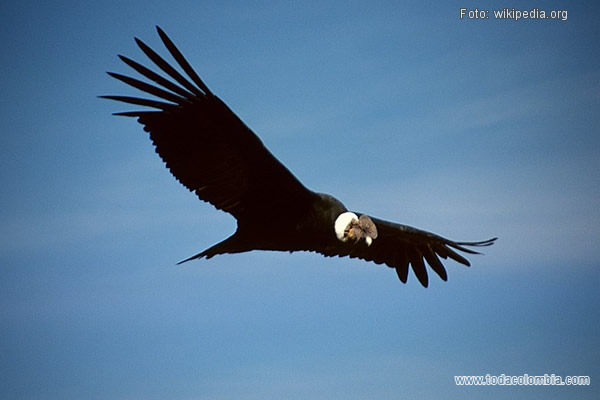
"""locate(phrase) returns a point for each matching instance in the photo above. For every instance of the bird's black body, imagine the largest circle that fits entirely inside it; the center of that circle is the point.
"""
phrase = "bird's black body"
(213, 153)
(294, 229)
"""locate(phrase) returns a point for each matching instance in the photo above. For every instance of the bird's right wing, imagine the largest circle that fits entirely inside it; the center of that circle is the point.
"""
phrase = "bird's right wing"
(400, 246)
(204, 144)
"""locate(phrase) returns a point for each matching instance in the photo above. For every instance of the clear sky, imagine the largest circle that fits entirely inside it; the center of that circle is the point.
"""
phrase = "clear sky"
(467, 128)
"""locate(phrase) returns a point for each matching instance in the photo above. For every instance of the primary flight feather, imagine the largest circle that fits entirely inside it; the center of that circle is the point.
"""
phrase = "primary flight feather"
(214, 154)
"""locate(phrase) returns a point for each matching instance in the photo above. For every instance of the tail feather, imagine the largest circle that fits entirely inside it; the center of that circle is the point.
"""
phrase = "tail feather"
(194, 257)
(229, 245)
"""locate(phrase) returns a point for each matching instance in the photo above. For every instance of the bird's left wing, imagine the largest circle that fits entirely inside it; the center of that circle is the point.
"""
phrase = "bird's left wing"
(400, 246)
(204, 144)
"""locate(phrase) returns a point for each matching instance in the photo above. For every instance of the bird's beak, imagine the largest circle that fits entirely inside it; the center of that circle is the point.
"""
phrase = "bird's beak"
(351, 235)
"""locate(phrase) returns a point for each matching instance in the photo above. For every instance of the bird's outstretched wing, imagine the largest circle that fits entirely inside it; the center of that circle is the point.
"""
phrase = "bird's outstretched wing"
(400, 246)
(203, 143)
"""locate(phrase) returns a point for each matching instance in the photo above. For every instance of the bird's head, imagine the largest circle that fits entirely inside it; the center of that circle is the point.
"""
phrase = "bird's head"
(350, 228)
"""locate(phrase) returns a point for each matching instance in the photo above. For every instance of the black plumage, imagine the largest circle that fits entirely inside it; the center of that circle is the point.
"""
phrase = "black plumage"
(213, 153)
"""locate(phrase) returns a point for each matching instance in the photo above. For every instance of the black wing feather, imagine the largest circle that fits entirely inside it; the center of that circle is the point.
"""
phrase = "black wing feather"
(153, 90)
(148, 73)
(434, 262)
(182, 61)
(166, 67)
(204, 144)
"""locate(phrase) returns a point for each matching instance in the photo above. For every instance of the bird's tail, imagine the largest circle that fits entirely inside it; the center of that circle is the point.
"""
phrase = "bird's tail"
(194, 257)
(229, 245)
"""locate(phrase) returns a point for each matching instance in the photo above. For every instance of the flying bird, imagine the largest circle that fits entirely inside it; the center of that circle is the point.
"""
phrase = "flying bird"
(214, 154)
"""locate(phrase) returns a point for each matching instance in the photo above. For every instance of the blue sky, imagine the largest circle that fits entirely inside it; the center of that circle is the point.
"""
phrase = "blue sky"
(467, 128)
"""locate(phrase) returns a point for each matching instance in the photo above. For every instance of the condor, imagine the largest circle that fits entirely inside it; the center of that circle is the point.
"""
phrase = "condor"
(214, 154)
